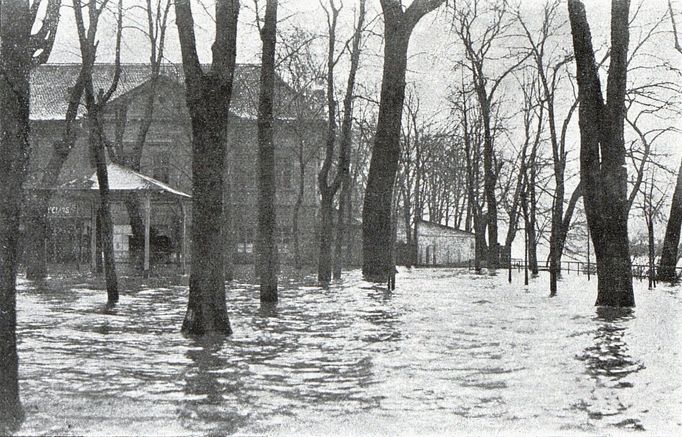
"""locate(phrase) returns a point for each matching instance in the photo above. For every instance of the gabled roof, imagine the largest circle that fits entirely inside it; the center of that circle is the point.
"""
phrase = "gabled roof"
(123, 179)
(50, 84)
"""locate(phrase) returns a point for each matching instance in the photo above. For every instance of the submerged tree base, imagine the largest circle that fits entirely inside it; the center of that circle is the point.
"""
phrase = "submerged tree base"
(11, 417)
(195, 325)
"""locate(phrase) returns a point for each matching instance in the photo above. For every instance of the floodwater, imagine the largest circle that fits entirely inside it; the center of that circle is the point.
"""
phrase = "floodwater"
(447, 352)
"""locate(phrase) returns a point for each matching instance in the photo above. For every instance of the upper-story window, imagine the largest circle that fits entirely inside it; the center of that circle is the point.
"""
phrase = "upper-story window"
(161, 165)
(284, 173)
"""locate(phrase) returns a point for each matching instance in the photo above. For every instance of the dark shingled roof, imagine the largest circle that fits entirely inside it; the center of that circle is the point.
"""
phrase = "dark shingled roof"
(50, 84)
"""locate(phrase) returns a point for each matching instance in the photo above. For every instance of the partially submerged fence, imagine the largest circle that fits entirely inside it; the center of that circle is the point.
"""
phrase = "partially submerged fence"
(639, 271)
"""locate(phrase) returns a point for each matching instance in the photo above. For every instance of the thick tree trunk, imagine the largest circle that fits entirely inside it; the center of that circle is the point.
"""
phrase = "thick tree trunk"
(376, 214)
(267, 224)
(602, 153)
(207, 310)
(208, 100)
(671, 242)
(15, 62)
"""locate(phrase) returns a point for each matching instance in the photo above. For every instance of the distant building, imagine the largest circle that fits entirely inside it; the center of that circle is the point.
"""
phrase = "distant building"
(439, 245)
(299, 122)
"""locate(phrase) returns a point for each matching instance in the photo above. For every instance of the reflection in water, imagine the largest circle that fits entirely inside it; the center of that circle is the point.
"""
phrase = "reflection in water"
(609, 363)
(213, 387)
(608, 360)
(442, 353)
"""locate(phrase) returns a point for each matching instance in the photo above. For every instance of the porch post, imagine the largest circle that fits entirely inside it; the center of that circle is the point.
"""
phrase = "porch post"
(147, 213)
(93, 237)
(184, 236)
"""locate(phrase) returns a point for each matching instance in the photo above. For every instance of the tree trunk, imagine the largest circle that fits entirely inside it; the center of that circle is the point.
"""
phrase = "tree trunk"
(342, 227)
(489, 181)
(266, 261)
(15, 63)
(376, 214)
(324, 270)
(532, 237)
(208, 101)
(107, 227)
(671, 242)
(652, 250)
(602, 153)
(377, 238)
(566, 222)
(297, 209)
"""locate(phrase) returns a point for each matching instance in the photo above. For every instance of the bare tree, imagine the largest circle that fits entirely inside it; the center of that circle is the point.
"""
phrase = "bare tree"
(95, 105)
(342, 179)
(477, 46)
(549, 67)
(377, 238)
(299, 64)
(671, 242)
(19, 51)
(651, 203)
(208, 101)
(602, 152)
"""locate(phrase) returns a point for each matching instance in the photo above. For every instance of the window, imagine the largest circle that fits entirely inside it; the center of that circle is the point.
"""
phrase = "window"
(284, 170)
(161, 166)
(245, 242)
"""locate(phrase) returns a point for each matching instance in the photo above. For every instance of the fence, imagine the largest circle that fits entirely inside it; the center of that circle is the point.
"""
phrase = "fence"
(639, 271)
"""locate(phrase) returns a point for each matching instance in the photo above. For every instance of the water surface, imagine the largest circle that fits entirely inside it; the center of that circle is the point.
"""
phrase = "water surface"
(447, 352)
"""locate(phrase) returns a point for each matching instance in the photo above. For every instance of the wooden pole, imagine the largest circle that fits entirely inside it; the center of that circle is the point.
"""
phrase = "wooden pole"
(147, 213)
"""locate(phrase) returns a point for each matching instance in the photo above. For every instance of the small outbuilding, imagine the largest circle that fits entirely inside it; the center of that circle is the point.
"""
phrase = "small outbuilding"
(440, 245)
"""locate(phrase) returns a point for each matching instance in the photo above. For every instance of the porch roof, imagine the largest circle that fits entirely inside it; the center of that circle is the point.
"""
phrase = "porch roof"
(123, 179)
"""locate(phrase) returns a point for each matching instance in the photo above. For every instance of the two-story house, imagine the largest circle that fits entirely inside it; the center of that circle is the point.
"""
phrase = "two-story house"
(298, 135)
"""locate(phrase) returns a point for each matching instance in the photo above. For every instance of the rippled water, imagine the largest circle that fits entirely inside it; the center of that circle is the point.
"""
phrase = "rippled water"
(447, 352)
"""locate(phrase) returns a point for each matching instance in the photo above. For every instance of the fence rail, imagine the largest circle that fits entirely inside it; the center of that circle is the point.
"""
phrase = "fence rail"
(639, 271)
